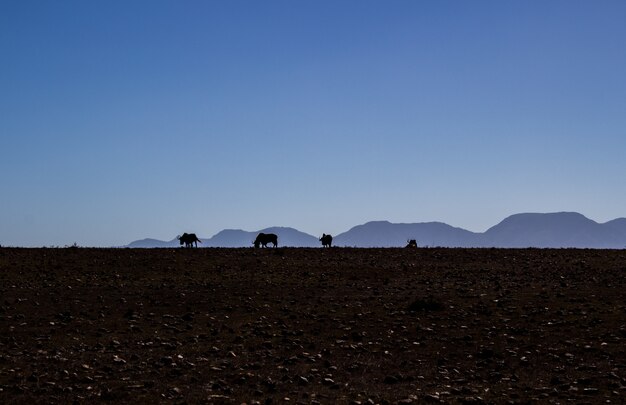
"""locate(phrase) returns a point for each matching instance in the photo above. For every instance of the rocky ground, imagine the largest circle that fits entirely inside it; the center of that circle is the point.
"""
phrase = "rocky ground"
(468, 326)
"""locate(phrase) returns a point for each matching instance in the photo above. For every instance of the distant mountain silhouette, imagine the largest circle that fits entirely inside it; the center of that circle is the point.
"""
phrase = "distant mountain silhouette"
(386, 234)
(555, 230)
(551, 230)
(563, 229)
(238, 238)
(619, 225)
(153, 243)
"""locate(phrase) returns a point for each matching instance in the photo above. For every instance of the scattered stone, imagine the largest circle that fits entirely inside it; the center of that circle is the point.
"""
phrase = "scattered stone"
(328, 381)
(390, 379)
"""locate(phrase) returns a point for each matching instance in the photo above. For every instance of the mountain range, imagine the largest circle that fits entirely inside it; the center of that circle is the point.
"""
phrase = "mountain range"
(541, 230)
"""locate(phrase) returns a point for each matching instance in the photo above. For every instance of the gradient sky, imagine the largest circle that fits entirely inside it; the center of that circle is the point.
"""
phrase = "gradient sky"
(121, 120)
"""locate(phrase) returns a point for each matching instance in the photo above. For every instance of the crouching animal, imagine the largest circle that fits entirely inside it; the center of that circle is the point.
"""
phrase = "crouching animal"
(411, 243)
(326, 240)
(189, 239)
(263, 239)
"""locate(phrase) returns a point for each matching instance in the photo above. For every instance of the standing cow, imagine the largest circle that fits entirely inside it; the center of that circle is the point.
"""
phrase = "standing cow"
(326, 240)
(189, 239)
(262, 239)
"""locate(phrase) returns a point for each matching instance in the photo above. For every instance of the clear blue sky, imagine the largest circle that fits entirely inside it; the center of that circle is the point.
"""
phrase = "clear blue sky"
(128, 119)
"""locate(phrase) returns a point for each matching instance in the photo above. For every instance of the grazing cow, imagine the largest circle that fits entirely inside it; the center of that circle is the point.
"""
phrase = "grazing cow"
(263, 239)
(189, 239)
(411, 243)
(326, 240)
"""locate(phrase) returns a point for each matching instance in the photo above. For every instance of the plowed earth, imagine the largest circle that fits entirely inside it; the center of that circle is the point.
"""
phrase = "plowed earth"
(290, 325)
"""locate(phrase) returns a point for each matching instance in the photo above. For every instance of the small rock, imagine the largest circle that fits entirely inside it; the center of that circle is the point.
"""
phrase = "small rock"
(390, 379)
(431, 397)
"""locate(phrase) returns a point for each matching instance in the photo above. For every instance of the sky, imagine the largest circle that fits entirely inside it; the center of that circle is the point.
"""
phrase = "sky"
(121, 120)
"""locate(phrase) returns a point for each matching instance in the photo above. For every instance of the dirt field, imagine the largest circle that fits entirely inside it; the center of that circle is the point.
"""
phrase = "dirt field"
(467, 326)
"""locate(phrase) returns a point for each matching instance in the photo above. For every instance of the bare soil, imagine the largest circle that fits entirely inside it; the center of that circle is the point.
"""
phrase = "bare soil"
(290, 325)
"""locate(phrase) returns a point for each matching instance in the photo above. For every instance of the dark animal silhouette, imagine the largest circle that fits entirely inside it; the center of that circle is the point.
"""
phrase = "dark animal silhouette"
(263, 239)
(411, 243)
(189, 239)
(326, 240)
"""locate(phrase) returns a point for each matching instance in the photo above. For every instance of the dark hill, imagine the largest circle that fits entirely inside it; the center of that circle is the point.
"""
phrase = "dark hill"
(240, 238)
(552, 230)
(387, 234)
(153, 243)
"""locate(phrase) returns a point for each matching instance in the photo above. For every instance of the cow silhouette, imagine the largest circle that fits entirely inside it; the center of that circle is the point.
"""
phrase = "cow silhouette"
(189, 239)
(411, 243)
(262, 239)
(326, 240)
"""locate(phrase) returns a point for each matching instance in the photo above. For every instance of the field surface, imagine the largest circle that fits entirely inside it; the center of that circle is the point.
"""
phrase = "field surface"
(288, 325)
